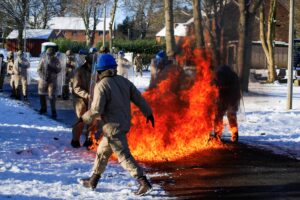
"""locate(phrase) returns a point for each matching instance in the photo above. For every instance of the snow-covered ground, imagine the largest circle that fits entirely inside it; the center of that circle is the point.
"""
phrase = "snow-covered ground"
(37, 161)
(265, 121)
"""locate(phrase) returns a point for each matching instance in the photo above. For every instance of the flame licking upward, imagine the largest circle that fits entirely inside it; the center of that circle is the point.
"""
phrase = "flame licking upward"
(183, 117)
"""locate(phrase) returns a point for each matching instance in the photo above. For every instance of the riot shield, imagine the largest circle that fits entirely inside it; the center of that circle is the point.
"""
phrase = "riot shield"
(93, 77)
(71, 65)
(61, 76)
(43, 74)
(80, 59)
(1, 65)
(28, 57)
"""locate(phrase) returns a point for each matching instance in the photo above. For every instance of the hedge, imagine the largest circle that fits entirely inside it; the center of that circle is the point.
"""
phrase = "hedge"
(145, 46)
(66, 44)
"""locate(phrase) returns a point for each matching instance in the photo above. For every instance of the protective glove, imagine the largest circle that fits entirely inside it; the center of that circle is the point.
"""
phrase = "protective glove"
(150, 118)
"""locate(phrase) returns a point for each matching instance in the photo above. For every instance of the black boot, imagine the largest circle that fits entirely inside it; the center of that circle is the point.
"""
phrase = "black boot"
(75, 144)
(88, 142)
(43, 104)
(145, 186)
(25, 98)
(90, 182)
(54, 115)
(53, 108)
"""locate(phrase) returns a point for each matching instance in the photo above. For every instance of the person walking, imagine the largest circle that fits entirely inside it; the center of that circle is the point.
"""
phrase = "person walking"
(48, 69)
(228, 101)
(81, 98)
(69, 73)
(111, 107)
(21, 66)
(138, 62)
(10, 72)
(123, 65)
(3, 70)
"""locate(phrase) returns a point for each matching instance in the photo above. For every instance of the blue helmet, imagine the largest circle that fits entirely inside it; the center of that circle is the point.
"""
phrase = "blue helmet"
(106, 61)
(83, 51)
(161, 55)
(121, 53)
(92, 50)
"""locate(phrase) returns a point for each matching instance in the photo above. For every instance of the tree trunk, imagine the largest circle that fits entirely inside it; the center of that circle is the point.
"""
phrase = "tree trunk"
(111, 23)
(198, 24)
(20, 37)
(169, 21)
(267, 40)
(88, 38)
(95, 22)
(246, 21)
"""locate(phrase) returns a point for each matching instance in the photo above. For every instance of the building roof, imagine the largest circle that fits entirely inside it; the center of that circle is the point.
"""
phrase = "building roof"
(180, 30)
(75, 23)
(32, 34)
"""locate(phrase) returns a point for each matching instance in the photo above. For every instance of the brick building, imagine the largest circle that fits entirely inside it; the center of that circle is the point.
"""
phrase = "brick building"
(73, 28)
(34, 39)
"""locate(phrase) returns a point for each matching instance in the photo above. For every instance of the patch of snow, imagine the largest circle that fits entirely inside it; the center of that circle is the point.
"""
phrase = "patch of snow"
(32, 34)
(75, 23)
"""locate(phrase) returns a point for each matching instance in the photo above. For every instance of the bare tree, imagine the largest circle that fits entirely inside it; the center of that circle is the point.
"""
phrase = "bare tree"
(89, 11)
(170, 40)
(16, 11)
(42, 11)
(214, 10)
(248, 9)
(199, 31)
(144, 13)
(267, 40)
(111, 23)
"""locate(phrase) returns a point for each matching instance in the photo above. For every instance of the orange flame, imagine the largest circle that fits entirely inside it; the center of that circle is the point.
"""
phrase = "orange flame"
(183, 117)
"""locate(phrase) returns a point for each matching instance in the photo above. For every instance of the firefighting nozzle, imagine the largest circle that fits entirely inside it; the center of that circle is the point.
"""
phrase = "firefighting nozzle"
(150, 118)
(90, 182)
(75, 144)
(145, 186)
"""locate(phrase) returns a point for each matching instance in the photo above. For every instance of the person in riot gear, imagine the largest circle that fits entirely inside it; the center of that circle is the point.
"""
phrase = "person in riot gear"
(138, 62)
(111, 108)
(103, 50)
(48, 69)
(10, 71)
(70, 67)
(227, 82)
(21, 66)
(2, 72)
(123, 65)
(81, 98)
(158, 65)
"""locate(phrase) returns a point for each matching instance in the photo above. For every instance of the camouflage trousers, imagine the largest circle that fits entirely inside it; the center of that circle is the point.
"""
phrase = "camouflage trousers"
(20, 83)
(80, 107)
(117, 144)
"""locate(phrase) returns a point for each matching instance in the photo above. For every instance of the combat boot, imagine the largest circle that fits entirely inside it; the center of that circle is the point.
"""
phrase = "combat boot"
(75, 144)
(144, 187)
(43, 104)
(90, 182)
(88, 142)
(235, 137)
